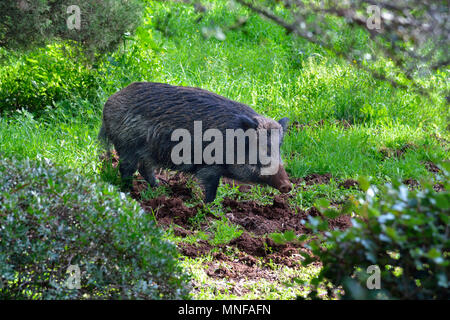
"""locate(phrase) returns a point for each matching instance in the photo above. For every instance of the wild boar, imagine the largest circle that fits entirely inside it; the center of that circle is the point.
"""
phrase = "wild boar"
(145, 122)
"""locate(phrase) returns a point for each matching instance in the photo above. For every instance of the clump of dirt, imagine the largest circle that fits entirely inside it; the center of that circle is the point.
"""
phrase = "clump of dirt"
(261, 219)
(411, 183)
(254, 251)
(313, 178)
(178, 186)
(265, 247)
(200, 248)
(139, 185)
(276, 217)
(342, 222)
(345, 124)
(170, 210)
(431, 167)
(396, 153)
(254, 246)
(176, 183)
(414, 184)
(349, 183)
(242, 267)
(181, 232)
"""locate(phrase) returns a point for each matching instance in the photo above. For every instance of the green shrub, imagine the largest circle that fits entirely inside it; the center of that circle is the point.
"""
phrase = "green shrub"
(404, 233)
(102, 24)
(41, 78)
(51, 218)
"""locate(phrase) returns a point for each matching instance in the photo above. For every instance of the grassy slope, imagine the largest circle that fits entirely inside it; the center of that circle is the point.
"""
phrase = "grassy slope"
(261, 66)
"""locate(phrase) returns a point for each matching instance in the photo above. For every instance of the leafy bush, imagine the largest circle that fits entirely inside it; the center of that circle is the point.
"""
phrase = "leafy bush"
(51, 219)
(40, 79)
(57, 73)
(404, 233)
(102, 24)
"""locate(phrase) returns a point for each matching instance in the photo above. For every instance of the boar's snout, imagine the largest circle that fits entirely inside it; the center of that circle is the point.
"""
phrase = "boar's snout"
(285, 188)
(280, 180)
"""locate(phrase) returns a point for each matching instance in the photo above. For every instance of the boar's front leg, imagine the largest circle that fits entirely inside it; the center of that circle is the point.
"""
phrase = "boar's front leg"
(209, 177)
(127, 169)
(145, 168)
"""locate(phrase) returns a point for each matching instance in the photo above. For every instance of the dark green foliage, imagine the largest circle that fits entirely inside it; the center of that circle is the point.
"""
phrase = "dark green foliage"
(348, 107)
(403, 232)
(22, 23)
(58, 71)
(51, 218)
(103, 23)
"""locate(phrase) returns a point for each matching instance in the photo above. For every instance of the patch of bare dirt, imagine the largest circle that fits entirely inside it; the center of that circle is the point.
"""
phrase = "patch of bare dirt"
(255, 253)
(181, 232)
(431, 167)
(257, 221)
(264, 247)
(318, 124)
(396, 153)
(170, 210)
(176, 182)
(414, 184)
(349, 183)
(200, 248)
(411, 183)
(238, 268)
(245, 266)
(313, 178)
(439, 187)
(276, 217)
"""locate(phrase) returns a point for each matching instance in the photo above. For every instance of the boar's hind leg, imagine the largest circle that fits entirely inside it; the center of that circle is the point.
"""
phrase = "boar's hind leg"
(146, 171)
(209, 178)
(127, 169)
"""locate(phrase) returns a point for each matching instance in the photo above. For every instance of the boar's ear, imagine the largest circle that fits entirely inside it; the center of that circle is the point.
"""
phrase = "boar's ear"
(284, 123)
(248, 123)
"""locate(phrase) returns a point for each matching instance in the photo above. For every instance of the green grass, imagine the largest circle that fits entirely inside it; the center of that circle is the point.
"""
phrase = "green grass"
(259, 65)
(224, 232)
(356, 151)
(70, 143)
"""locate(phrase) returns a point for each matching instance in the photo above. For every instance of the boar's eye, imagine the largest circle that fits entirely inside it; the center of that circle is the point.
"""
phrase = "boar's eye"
(284, 123)
(248, 123)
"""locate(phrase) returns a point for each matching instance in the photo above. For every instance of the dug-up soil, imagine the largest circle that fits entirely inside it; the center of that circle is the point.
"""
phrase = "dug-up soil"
(256, 220)
(255, 249)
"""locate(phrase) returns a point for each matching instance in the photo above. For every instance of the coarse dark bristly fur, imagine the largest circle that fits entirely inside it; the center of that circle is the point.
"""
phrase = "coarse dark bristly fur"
(139, 121)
